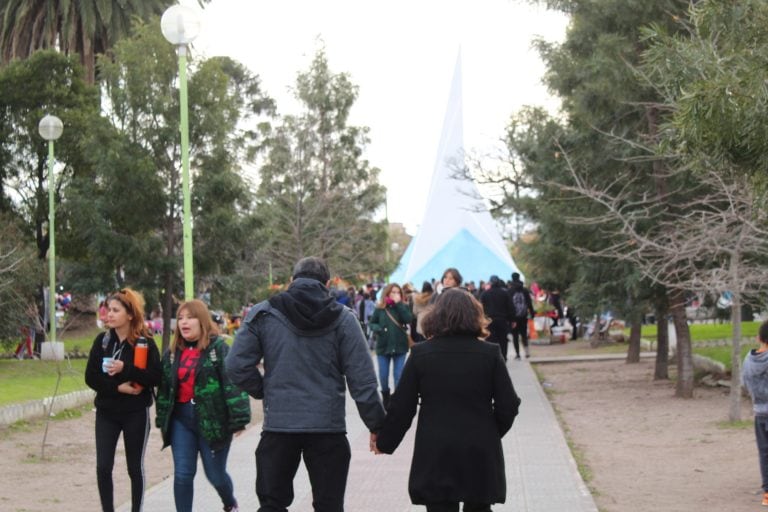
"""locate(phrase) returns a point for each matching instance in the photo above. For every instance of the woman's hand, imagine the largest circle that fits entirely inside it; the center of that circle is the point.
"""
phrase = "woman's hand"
(372, 444)
(115, 367)
(128, 389)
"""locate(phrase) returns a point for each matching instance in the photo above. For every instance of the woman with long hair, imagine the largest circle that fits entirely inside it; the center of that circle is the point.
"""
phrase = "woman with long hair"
(390, 322)
(198, 408)
(466, 402)
(123, 392)
(451, 279)
(420, 303)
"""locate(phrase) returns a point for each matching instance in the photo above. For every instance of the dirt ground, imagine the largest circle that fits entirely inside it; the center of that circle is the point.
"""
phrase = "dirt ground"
(645, 449)
(66, 478)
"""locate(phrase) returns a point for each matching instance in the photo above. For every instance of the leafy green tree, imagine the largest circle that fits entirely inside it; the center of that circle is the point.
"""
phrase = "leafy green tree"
(130, 207)
(317, 194)
(227, 255)
(85, 28)
(712, 82)
(610, 116)
(47, 82)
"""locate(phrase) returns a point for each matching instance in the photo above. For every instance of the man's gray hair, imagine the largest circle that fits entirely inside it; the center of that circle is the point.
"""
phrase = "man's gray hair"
(312, 267)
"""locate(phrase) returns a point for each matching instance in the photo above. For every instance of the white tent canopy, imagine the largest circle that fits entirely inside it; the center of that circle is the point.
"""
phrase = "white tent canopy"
(457, 230)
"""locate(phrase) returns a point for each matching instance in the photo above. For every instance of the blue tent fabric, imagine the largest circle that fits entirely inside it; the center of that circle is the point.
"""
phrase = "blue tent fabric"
(464, 252)
(457, 229)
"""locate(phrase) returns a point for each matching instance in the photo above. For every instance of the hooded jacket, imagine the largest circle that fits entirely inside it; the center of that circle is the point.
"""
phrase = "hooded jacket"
(310, 346)
(754, 376)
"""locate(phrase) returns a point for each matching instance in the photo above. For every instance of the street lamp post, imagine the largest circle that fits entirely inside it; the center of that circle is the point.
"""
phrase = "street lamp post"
(50, 129)
(180, 26)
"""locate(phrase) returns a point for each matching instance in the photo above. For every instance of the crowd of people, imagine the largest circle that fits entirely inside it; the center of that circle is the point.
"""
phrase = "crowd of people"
(298, 352)
(440, 353)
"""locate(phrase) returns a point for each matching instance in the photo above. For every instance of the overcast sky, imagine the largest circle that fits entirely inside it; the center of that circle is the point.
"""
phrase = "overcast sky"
(401, 54)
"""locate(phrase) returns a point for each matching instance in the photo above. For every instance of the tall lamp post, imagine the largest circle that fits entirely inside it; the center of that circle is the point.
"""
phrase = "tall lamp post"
(50, 129)
(180, 26)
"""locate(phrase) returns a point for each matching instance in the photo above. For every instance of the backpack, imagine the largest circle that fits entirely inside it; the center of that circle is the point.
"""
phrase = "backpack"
(519, 304)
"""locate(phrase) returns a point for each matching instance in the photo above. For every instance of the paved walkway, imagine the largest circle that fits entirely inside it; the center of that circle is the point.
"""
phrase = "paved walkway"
(541, 473)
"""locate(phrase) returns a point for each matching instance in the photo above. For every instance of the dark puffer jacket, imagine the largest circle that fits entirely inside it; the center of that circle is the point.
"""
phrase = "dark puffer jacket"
(221, 407)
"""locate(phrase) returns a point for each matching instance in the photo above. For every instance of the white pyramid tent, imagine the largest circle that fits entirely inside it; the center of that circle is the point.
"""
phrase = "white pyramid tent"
(457, 230)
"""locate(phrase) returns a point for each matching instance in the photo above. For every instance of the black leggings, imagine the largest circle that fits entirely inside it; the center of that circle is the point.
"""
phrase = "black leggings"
(135, 428)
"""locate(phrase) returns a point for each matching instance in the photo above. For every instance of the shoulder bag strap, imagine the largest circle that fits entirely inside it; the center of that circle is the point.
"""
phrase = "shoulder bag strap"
(395, 321)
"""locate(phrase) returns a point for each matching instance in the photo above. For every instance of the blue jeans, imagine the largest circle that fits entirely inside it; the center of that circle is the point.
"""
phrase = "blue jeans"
(761, 434)
(186, 443)
(398, 361)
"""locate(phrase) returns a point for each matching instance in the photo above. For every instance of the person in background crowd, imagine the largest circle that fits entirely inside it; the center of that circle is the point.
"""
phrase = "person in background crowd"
(123, 393)
(557, 303)
(156, 319)
(312, 349)
(754, 377)
(389, 321)
(570, 313)
(522, 310)
(497, 304)
(367, 307)
(408, 294)
(420, 302)
(451, 279)
(102, 319)
(198, 408)
(466, 403)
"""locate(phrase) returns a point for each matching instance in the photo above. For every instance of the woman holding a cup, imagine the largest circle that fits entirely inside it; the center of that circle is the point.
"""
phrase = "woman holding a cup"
(123, 392)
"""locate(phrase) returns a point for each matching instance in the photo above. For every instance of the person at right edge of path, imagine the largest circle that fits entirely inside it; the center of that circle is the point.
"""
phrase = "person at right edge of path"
(754, 376)
(310, 345)
(522, 310)
(497, 304)
(466, 403)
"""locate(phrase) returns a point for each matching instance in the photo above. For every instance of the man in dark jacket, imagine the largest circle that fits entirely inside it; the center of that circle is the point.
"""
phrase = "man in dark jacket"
(309, 345)
(522, 307)
(497, 305)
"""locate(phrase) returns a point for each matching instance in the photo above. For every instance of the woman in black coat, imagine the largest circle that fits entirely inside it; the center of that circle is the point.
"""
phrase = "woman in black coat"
(467, 403)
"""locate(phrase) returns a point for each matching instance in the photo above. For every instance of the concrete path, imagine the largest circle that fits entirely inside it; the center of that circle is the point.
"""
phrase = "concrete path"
(541, 473)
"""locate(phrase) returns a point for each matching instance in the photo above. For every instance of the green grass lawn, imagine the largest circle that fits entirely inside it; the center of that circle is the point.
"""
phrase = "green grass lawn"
(81, 341)
(707, 332)
(723, 354)
(34, 379)
(702, 332)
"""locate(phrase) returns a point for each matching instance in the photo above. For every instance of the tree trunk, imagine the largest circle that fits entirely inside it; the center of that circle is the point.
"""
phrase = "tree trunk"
(734, 398)
(683, 352)
(88, 58)
(633, 352)
(661, 371)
